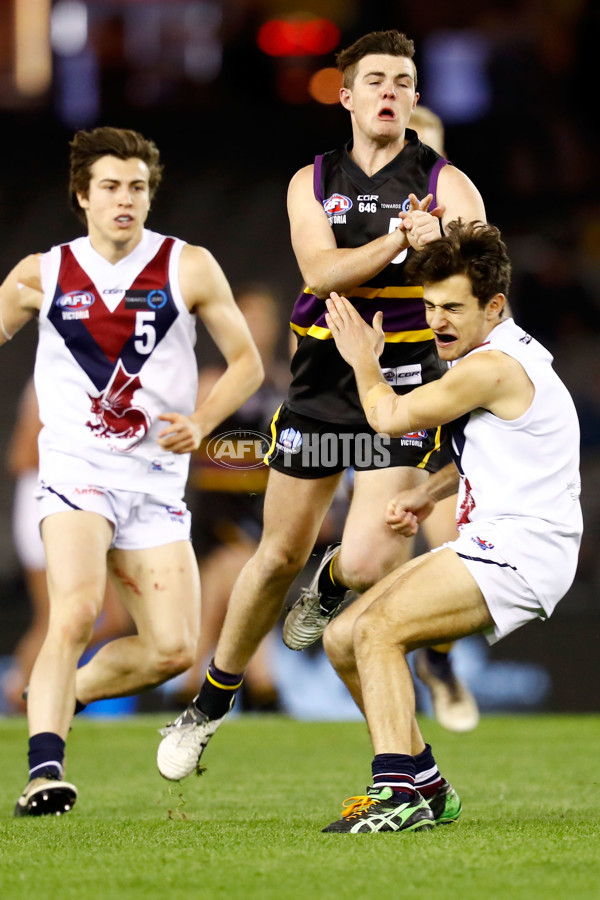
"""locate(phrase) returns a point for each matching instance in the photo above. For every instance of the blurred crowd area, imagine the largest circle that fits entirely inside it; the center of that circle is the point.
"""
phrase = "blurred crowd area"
(511, 81)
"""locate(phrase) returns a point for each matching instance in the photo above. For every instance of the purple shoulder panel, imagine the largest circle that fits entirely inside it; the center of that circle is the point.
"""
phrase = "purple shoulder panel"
(433, 179)
(317, 178)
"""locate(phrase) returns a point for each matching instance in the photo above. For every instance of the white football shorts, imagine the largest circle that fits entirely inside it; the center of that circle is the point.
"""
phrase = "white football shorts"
(25, 519)
(522, 565)
(140, 520)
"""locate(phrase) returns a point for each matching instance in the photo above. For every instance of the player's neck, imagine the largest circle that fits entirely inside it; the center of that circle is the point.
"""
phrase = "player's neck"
(372, 155)
(113, 251)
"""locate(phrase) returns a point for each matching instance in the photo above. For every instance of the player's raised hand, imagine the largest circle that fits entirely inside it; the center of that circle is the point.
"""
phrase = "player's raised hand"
(354, 338)
(421, 224)
(182, 436)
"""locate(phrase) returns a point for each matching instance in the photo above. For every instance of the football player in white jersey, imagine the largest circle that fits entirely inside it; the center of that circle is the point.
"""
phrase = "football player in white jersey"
(116, 379)
(515, 444)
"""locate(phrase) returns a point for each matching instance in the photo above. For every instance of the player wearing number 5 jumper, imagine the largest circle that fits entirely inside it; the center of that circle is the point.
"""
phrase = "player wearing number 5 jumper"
(116, 380)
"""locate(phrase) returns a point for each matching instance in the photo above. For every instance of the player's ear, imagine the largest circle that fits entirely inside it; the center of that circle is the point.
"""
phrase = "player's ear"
(495, 306)
(346, 98)
(82, 199)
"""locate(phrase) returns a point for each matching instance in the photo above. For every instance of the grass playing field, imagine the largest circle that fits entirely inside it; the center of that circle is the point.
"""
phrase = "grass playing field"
(250, 827)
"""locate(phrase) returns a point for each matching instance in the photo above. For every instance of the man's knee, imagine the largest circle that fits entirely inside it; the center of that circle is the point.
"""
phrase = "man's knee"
(338, 645)
(278, 561)
(170, 658)
(360, 569)
(371, 630)
(74, 624)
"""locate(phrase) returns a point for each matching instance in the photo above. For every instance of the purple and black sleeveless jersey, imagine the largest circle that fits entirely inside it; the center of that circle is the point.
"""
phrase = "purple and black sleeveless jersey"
(360, 209)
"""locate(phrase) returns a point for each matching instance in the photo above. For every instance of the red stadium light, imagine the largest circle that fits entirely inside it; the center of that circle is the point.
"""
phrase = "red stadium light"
(298, 37)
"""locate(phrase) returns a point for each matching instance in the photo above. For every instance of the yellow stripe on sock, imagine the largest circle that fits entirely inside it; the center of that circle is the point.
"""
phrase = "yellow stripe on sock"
(224, 687)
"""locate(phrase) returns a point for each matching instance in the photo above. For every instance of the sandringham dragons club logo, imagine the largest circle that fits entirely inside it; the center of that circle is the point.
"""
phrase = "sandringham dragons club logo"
(114, 416)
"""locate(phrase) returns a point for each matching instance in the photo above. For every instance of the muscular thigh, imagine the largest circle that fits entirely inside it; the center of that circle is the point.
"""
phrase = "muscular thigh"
(159, 586)
(294, 511)
(76, 543)
(369, 545)
(434, 598)
(341, 628)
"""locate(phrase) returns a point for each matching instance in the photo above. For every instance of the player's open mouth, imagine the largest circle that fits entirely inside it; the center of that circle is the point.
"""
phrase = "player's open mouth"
(386, 113)
(124, 220)
(445, 338)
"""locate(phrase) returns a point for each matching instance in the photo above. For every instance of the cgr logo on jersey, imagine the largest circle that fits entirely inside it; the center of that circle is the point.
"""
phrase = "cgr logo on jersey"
(403, 375)
(75, 304)
(336, 208)
(482, 543)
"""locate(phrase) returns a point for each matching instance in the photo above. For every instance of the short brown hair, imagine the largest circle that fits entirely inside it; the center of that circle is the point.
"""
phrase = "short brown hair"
(388, 43)
(474, 249)
(89, 146)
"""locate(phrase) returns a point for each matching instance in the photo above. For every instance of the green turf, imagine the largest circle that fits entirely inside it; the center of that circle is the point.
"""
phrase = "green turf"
(250, 827)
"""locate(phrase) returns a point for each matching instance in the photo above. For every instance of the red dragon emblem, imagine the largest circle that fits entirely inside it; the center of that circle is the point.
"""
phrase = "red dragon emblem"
(115, 416)
(467, 505)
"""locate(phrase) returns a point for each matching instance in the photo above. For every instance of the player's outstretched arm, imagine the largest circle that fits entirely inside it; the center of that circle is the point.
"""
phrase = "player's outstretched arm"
(206, 291)
(20, 297)
(489, 380)
(326, 267)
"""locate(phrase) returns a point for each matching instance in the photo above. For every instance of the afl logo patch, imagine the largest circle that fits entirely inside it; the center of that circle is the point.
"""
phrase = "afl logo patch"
(76, 300)
(337, 204)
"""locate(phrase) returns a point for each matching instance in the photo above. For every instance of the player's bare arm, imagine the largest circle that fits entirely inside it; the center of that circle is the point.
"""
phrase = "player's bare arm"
(20, 297)
(206, 291)
(408, 509)
(490, 380)
(326, 267)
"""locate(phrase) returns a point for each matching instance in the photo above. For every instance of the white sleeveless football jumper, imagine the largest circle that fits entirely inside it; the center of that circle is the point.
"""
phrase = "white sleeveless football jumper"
(115, 350)
(518, 509)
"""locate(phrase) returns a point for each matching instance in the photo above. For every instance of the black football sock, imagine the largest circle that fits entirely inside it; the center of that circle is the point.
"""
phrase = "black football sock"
(331, 591)
(46, 755)
(440, 663)
(395, 770)
(427, 779)
(215, 696)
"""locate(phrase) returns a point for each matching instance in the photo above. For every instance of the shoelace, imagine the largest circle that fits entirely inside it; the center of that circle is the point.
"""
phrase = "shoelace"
(354, 806)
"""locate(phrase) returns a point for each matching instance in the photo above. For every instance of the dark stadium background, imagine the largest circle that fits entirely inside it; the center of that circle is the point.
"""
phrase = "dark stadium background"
(234, 120)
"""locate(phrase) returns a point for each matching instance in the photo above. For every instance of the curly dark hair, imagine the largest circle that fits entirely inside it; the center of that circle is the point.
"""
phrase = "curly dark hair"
(388, 43)
(474, 249)
(89, 146)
